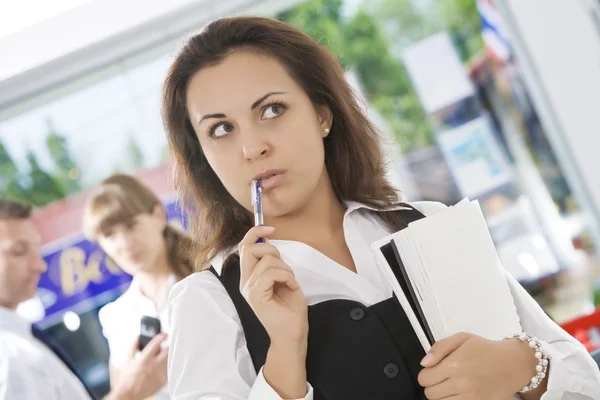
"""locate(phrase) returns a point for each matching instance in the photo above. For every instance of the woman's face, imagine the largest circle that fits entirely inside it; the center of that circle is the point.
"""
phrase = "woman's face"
(136, 245)
(254, 121)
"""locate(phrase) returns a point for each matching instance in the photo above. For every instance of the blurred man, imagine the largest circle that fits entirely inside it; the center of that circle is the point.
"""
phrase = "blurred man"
(32, 367)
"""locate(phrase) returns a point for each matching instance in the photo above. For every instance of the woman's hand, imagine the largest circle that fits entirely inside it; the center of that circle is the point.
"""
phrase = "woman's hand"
(469, 367)
(269, 286)
(143, 374)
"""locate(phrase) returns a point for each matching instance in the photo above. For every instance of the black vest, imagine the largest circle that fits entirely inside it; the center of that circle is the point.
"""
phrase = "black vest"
(354, 351)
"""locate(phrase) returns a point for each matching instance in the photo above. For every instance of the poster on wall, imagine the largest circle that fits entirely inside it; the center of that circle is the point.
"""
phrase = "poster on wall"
(437, 87)
(475, 158)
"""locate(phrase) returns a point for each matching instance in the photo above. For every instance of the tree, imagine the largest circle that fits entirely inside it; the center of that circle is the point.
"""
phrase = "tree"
(10, 184)
(8, 169)
(408, 21)
(16, 192)
(361, 45)
(320, 19)
(403, 21)
(386, 82)
(66, 172)
(462, 19)
(42, 188)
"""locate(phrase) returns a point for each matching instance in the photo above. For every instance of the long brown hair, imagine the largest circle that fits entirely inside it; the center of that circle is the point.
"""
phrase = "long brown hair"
(353, 155)
(122, 197)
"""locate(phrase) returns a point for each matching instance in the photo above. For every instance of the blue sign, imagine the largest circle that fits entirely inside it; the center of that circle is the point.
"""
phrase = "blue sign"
(80, 276)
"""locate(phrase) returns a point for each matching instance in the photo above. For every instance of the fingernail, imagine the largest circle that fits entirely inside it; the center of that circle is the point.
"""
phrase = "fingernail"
(269, 228)
(427, 360)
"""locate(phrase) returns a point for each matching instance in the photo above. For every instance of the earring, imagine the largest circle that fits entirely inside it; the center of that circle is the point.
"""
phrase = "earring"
(326, 131)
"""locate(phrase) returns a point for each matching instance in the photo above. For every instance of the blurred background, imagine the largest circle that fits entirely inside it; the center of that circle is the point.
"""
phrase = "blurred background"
(495, 101)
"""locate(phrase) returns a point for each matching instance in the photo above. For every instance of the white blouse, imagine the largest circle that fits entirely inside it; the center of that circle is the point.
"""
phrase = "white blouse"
(209, 360)
(121, 320)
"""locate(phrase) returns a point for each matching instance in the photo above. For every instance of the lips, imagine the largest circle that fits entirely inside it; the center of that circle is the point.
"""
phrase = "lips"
(267, 174)
(270, 178)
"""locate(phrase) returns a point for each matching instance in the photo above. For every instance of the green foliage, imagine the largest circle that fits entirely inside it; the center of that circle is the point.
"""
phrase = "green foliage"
(66, 173)
(42, 188)
(370, 42)
(35, 185)
(320, 19)
(362, 46)
(10, 186)
(8, 169)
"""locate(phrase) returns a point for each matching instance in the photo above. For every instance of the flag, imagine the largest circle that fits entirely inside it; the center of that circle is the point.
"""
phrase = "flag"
(494, 32)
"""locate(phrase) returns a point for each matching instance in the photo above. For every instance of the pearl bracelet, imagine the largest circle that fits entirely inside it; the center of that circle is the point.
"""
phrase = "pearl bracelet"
(542, 360)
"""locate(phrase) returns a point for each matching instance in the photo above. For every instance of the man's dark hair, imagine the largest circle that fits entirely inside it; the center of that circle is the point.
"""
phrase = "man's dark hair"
(12, 210)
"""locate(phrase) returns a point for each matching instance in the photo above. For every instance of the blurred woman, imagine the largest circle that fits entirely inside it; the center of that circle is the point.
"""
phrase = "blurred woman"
(128, 221)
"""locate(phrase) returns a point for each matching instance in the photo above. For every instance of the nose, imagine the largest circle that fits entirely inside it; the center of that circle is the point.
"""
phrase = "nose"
(38, 264)
(254, 146)
(41, 266)
(121, 242)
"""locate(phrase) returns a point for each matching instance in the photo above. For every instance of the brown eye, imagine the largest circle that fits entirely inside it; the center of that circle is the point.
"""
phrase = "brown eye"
(19, 250)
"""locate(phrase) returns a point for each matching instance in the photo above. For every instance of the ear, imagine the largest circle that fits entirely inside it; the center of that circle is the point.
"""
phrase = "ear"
(325, 119)
(160, 213)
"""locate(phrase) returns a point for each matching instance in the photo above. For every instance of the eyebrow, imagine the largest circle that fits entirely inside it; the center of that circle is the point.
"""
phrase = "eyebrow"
(10, 244)
(252, 107)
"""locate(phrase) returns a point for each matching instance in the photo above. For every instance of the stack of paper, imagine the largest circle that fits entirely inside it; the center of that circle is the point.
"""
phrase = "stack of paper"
(447, 276)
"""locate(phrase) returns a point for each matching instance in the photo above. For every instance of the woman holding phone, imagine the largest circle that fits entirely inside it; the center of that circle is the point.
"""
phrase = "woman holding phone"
(128, 221)
(306, 313)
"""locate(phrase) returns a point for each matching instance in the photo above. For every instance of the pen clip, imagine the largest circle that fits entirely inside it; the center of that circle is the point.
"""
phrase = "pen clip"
(256, 192)
(257, 203)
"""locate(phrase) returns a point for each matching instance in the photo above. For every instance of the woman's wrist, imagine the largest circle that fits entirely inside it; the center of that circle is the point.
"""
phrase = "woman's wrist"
(530, 363)
(120, 393)
(285, 368)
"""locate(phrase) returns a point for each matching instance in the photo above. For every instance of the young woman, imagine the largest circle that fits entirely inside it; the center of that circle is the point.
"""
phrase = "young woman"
(129, 223)
(306, 315)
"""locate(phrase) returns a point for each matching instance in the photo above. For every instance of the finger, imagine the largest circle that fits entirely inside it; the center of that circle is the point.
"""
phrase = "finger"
(433, 376)
(163, 355)
(250, 239)
(267, 266)
(443, 348)
(263, 288)
(251, 254)
(154, 346)
(444, 390)
(135, 347)
(256, 233)
(265, 263)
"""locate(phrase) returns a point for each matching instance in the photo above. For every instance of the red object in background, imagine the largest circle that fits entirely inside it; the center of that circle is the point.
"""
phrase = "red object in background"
(63, 218)
(580, 328)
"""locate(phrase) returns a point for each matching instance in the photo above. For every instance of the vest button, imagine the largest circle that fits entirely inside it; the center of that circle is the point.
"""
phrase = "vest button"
(391, 370)
(357, 314)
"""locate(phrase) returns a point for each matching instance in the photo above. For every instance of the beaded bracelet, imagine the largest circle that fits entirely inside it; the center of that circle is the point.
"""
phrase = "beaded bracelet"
(542, 360)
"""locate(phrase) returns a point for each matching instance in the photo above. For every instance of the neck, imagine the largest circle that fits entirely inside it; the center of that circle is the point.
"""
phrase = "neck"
(8, 305)
(317, 221)
(153, 282)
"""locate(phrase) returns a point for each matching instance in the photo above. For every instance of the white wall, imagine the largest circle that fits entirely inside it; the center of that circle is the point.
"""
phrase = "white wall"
(100, 32)
(557, 43)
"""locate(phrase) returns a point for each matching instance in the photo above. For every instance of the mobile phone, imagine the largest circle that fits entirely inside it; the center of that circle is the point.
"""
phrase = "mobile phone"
(149, 328)
(256, 190)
